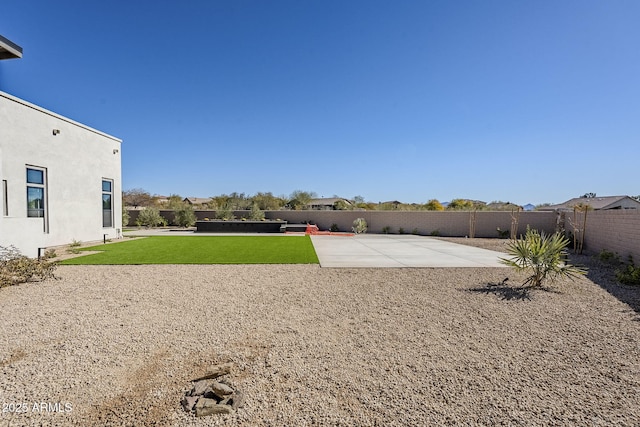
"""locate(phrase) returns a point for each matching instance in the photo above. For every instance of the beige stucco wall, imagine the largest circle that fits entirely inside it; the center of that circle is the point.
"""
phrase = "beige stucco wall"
(425, 222)
(614, 230)
(76, 161)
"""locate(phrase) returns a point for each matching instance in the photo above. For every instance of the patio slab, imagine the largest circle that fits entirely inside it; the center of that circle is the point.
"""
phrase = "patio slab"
(399, 251)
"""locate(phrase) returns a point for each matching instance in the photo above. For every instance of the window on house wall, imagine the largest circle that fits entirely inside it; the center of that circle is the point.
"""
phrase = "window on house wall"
(107, 203)
(36, 186)
(5, 198)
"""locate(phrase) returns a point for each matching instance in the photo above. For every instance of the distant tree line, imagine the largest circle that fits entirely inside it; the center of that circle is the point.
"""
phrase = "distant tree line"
(299, 200)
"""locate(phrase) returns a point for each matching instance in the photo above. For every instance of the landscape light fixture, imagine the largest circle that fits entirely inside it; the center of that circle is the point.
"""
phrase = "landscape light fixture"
(116, 151)
(56, 131)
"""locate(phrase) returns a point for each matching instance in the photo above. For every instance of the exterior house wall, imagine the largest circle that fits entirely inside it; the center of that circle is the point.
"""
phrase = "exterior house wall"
(76, 160)
(614, 230)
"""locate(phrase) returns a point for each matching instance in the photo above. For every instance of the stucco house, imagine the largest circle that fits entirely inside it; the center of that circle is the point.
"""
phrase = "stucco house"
(60, 180)
(327, 204)
(596, 203)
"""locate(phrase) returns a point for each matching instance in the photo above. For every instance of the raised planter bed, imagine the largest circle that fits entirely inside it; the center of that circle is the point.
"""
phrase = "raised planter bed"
(220, 226)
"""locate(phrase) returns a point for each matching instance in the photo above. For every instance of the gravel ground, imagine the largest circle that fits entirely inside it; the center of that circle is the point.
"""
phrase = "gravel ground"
(119, 345)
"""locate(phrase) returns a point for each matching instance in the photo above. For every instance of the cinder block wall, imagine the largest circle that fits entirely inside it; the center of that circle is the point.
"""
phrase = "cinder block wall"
(613, 230)
(453, 224)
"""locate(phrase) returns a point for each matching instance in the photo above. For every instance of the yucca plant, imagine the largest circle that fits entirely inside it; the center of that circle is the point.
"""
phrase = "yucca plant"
(545, 256)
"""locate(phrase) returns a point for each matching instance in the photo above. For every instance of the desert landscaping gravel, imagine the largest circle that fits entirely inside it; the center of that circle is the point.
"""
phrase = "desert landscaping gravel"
(119, 346)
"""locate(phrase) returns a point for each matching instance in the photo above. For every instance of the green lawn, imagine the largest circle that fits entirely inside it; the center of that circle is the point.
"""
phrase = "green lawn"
(203, 250)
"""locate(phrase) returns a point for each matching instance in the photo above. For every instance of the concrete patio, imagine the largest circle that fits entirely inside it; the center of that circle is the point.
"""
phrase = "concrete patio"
(393, 251)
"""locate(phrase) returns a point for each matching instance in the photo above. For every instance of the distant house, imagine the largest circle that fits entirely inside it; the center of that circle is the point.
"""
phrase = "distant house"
(393, 204)
(327, 204)
(596, 203)
(197, 201)
(61, 180)
(162, 200)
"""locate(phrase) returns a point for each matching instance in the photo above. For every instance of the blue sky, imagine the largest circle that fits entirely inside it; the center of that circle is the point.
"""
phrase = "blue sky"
(521, 101)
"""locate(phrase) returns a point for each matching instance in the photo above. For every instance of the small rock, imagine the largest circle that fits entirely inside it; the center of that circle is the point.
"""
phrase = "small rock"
(221, 390)
(199, 388)
(237, 400)
(188, 402)
(206, 407)
(217, 371)
(209, 394)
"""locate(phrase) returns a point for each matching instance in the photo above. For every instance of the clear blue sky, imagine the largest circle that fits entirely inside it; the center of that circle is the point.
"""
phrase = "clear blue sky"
(521, 101)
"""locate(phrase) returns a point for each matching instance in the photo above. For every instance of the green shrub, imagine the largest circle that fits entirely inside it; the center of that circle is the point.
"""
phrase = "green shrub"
(386, 229)
(256, 214)
(50, 253)
(125, 217)
(225, 213)
(334, 228)
(150, 217)
(415, 231)
(630, 275)
(359, 226)
(74, 247)
(16, 268)
(435, 233)
(544, 256)
(502, 234)
(401, 230)
(609, 257)
(185, 216)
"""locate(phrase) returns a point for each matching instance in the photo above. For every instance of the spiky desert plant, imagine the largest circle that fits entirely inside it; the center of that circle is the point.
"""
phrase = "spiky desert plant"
(544, 256)
(359, 226)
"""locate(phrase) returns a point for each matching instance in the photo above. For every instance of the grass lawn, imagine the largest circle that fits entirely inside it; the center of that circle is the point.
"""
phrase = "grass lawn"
(203, 250)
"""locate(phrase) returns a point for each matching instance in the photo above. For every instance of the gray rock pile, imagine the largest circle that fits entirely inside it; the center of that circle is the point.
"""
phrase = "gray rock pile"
(212, 395)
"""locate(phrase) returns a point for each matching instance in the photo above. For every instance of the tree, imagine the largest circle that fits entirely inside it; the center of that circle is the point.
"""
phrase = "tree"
(225, 212)
(589, 195)
(150, 217)
(358, 200)
(184, 215)
(125, 216)
(460, 205)
(341, 205)
(175, 202)
(137, 197)
(434, 205)
(256, 214)
(542, 255)
(299, 200)
(268, 202)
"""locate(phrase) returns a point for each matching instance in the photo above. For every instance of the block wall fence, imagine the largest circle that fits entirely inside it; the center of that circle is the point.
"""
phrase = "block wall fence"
(448, 224)
(613, 230)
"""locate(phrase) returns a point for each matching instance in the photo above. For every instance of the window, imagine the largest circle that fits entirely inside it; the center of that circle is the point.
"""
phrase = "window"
(36, 187)
(107, 203)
